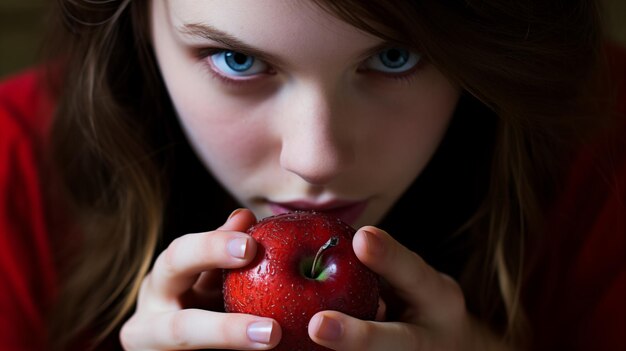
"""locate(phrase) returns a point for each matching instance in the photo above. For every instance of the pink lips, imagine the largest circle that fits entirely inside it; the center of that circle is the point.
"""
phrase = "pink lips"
(347, 211)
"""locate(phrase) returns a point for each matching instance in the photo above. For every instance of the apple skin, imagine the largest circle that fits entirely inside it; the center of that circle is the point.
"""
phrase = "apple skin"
(275, 284)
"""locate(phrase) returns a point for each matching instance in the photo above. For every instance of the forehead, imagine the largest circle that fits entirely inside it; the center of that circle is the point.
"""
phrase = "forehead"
(300, 25)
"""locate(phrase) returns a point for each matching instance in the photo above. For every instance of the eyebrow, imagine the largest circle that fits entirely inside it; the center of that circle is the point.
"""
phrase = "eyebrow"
(209, 32)
(206, 31)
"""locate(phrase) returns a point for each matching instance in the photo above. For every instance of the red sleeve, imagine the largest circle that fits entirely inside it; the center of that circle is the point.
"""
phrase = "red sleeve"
(27, 274)
(577, 294)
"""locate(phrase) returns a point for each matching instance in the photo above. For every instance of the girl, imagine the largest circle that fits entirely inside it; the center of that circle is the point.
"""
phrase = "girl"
(474, 144)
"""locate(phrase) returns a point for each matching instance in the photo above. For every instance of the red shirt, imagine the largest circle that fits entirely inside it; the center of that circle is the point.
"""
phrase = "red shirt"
(576, 302)
(577, 291)
(27, 272)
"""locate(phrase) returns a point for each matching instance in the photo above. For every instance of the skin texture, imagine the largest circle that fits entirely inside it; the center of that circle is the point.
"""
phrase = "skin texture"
(319, 122)
(273, 285)
(169, 317)
(317, 126)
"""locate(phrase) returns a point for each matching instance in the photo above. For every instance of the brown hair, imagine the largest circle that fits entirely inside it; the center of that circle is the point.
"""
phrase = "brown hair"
(530, 63)
(537, 66)
(102, 147)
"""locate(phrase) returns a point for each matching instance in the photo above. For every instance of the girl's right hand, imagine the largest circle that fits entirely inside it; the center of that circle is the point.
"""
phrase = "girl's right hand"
(171, 309)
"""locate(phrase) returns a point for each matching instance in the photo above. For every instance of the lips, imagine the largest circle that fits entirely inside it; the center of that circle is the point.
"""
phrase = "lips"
(347, 211)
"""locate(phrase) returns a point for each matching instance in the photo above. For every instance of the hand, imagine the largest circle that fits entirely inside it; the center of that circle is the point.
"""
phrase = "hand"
(435, 318)
(185, 281)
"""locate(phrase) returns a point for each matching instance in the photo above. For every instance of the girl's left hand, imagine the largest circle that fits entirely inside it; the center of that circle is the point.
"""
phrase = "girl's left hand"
(436, 317)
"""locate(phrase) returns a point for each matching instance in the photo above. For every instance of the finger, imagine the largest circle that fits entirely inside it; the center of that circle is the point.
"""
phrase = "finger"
(194, 329)
(177, 268)
(338, 331)
(414, 280)
(206, 292)
(240, 220)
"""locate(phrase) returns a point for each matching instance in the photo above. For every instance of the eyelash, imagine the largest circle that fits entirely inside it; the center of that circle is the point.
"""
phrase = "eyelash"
(204, 55)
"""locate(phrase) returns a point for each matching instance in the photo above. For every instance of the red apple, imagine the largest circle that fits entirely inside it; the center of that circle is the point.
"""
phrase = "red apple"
(284, 283)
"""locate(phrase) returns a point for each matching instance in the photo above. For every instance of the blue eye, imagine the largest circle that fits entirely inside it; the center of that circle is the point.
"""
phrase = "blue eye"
(392, 60)
(232, 63)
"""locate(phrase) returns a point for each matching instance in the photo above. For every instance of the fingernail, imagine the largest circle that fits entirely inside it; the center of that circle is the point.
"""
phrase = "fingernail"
(375, 245)
(260, 332)
(329, 329)
(234, 213)
(237, 247)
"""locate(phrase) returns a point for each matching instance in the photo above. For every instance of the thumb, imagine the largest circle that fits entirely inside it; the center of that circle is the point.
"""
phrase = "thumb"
(240, 220)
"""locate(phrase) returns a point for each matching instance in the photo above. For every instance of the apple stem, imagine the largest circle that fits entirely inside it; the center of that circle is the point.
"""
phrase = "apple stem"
(333, 241)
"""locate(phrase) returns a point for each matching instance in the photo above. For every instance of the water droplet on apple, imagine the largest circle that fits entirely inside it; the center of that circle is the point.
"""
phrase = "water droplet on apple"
(249, 287)
(271, 269)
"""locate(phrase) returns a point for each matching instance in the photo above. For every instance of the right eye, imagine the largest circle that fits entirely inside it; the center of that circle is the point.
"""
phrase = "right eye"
(393, 60)
(234, 64)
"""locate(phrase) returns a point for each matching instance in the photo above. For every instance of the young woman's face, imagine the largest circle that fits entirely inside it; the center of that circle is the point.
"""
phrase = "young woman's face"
(291, 108)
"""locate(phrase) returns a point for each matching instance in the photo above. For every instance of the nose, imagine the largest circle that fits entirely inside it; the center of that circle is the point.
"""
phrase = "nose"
(316, 136)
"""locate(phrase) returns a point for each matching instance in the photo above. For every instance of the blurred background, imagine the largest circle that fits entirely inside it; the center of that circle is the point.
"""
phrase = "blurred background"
(22, 23)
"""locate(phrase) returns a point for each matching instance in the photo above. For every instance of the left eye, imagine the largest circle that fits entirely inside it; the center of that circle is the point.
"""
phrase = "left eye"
(232, 63)
(392, 60)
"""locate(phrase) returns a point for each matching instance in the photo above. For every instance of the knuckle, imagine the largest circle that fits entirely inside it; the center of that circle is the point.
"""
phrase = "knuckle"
(413, 341)
(419, 271)
(459, 297)
(424, 270)
(365, 333)
(146, 283)
(228, 329)
(126, 335)
(453, 299)
(170, 256)
(177, 327)
(371, 336)
(455, 294)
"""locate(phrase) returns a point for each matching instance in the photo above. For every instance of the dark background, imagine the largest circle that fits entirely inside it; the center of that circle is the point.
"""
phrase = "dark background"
(22, 23)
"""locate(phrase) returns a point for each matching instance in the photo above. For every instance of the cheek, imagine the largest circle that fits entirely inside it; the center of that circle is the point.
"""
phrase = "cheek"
(413, 127)
(228, 140)
(224, 133)
(218, 128)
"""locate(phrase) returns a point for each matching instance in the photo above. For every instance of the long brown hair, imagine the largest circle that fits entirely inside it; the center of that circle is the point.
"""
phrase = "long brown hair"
(102, 147)
(537, 66)
(530, 63)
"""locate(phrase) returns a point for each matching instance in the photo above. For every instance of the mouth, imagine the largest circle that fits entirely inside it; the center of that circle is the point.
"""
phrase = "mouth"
(347, 211)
